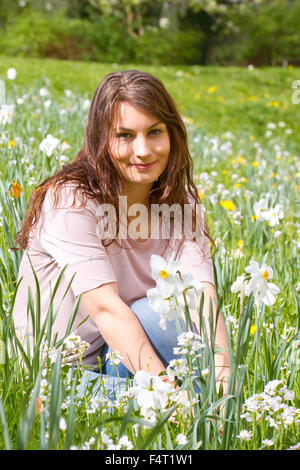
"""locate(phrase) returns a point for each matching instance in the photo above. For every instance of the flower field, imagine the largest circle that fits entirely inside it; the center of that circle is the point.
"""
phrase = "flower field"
(244, 140)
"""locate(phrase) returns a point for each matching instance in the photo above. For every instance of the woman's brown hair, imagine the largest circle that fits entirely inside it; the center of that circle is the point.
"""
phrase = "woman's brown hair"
(93, 173)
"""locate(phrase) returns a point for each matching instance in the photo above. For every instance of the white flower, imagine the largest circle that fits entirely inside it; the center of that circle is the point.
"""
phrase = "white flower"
(274, 214)
(47, 104)
(261, 209)
(150, 391)
(62, 424)
(43, 92)
(160, 302)
(259, 285)
(190, 287)
(49, 144)
(125, 442)
(114, 357)
(238, 283)
(205, 372)
(164, 272)
(75, 345)
(181, 439)
(86, 104)
(244, 435)
(267, 442)
(172, 287)
(177, 368)
(6, 113)
(11, 73)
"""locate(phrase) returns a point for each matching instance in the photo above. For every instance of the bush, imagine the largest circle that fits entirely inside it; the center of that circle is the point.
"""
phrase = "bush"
(159, 46)
(27, 35)
(35, 34)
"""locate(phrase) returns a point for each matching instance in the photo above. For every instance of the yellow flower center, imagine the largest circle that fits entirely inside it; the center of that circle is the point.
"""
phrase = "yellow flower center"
(163, 274)
(265, 274)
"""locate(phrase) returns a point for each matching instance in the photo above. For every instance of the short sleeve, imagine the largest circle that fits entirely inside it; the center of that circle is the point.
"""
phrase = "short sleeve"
(197, 260)
(68, 234)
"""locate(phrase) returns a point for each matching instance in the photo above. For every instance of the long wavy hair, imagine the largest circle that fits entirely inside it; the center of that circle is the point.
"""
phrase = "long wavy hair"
(93, 173)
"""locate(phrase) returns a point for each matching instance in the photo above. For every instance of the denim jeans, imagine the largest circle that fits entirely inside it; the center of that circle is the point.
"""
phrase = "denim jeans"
(116, 378)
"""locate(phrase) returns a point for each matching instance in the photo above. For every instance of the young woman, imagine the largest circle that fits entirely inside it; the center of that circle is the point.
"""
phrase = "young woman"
(135, 151)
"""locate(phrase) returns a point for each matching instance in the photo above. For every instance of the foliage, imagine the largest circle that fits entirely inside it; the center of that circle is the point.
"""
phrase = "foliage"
(259, 32)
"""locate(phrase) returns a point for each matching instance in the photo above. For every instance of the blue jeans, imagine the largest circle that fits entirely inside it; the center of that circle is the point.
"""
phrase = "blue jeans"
(162, 341)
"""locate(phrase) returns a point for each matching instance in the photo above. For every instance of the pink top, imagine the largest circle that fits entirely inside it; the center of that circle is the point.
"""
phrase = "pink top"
(68, 235)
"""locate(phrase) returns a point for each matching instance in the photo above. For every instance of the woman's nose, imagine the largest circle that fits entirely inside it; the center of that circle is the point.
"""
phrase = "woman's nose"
(141, 146)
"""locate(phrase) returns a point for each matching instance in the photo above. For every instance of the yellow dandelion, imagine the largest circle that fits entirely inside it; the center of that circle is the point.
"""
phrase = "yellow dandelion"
(228, 205)
(251, 137)
(237, 185)
(253, 217)
(255, 164)
(212, 89)
(240, 159)
(252, 98)
(11, 144)
(224, 172)
(274, 104)
(252, 329)
(163, 274)
(240, 243)
(243, 179)
(15, 189)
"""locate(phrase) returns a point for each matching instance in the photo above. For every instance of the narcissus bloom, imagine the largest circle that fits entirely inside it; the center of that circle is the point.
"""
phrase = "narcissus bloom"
(48, 145)
(15, 189)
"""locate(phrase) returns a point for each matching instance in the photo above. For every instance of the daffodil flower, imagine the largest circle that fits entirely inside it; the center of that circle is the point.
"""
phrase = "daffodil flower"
(48, 145)
(259, 284)
(172, 288)
(15, 189)
(150, 391)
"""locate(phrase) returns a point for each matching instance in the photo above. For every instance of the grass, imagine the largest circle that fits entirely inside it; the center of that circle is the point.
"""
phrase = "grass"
(244, 143)
(239, 99)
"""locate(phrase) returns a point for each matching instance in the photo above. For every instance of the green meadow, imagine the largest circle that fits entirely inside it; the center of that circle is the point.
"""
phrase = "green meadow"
(243, 128)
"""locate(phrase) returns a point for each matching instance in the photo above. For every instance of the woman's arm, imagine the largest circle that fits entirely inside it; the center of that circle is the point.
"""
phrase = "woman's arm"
(121, 329)
(222, 362)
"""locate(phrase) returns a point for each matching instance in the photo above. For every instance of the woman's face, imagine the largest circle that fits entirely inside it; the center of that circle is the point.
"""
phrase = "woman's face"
(139, 146)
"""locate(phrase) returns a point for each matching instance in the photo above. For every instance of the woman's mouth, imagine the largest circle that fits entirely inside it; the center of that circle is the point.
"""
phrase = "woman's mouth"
(143, 167)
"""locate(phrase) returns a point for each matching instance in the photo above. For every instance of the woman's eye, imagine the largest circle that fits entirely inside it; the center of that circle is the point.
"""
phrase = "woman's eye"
(123, 136)
(156, 131)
